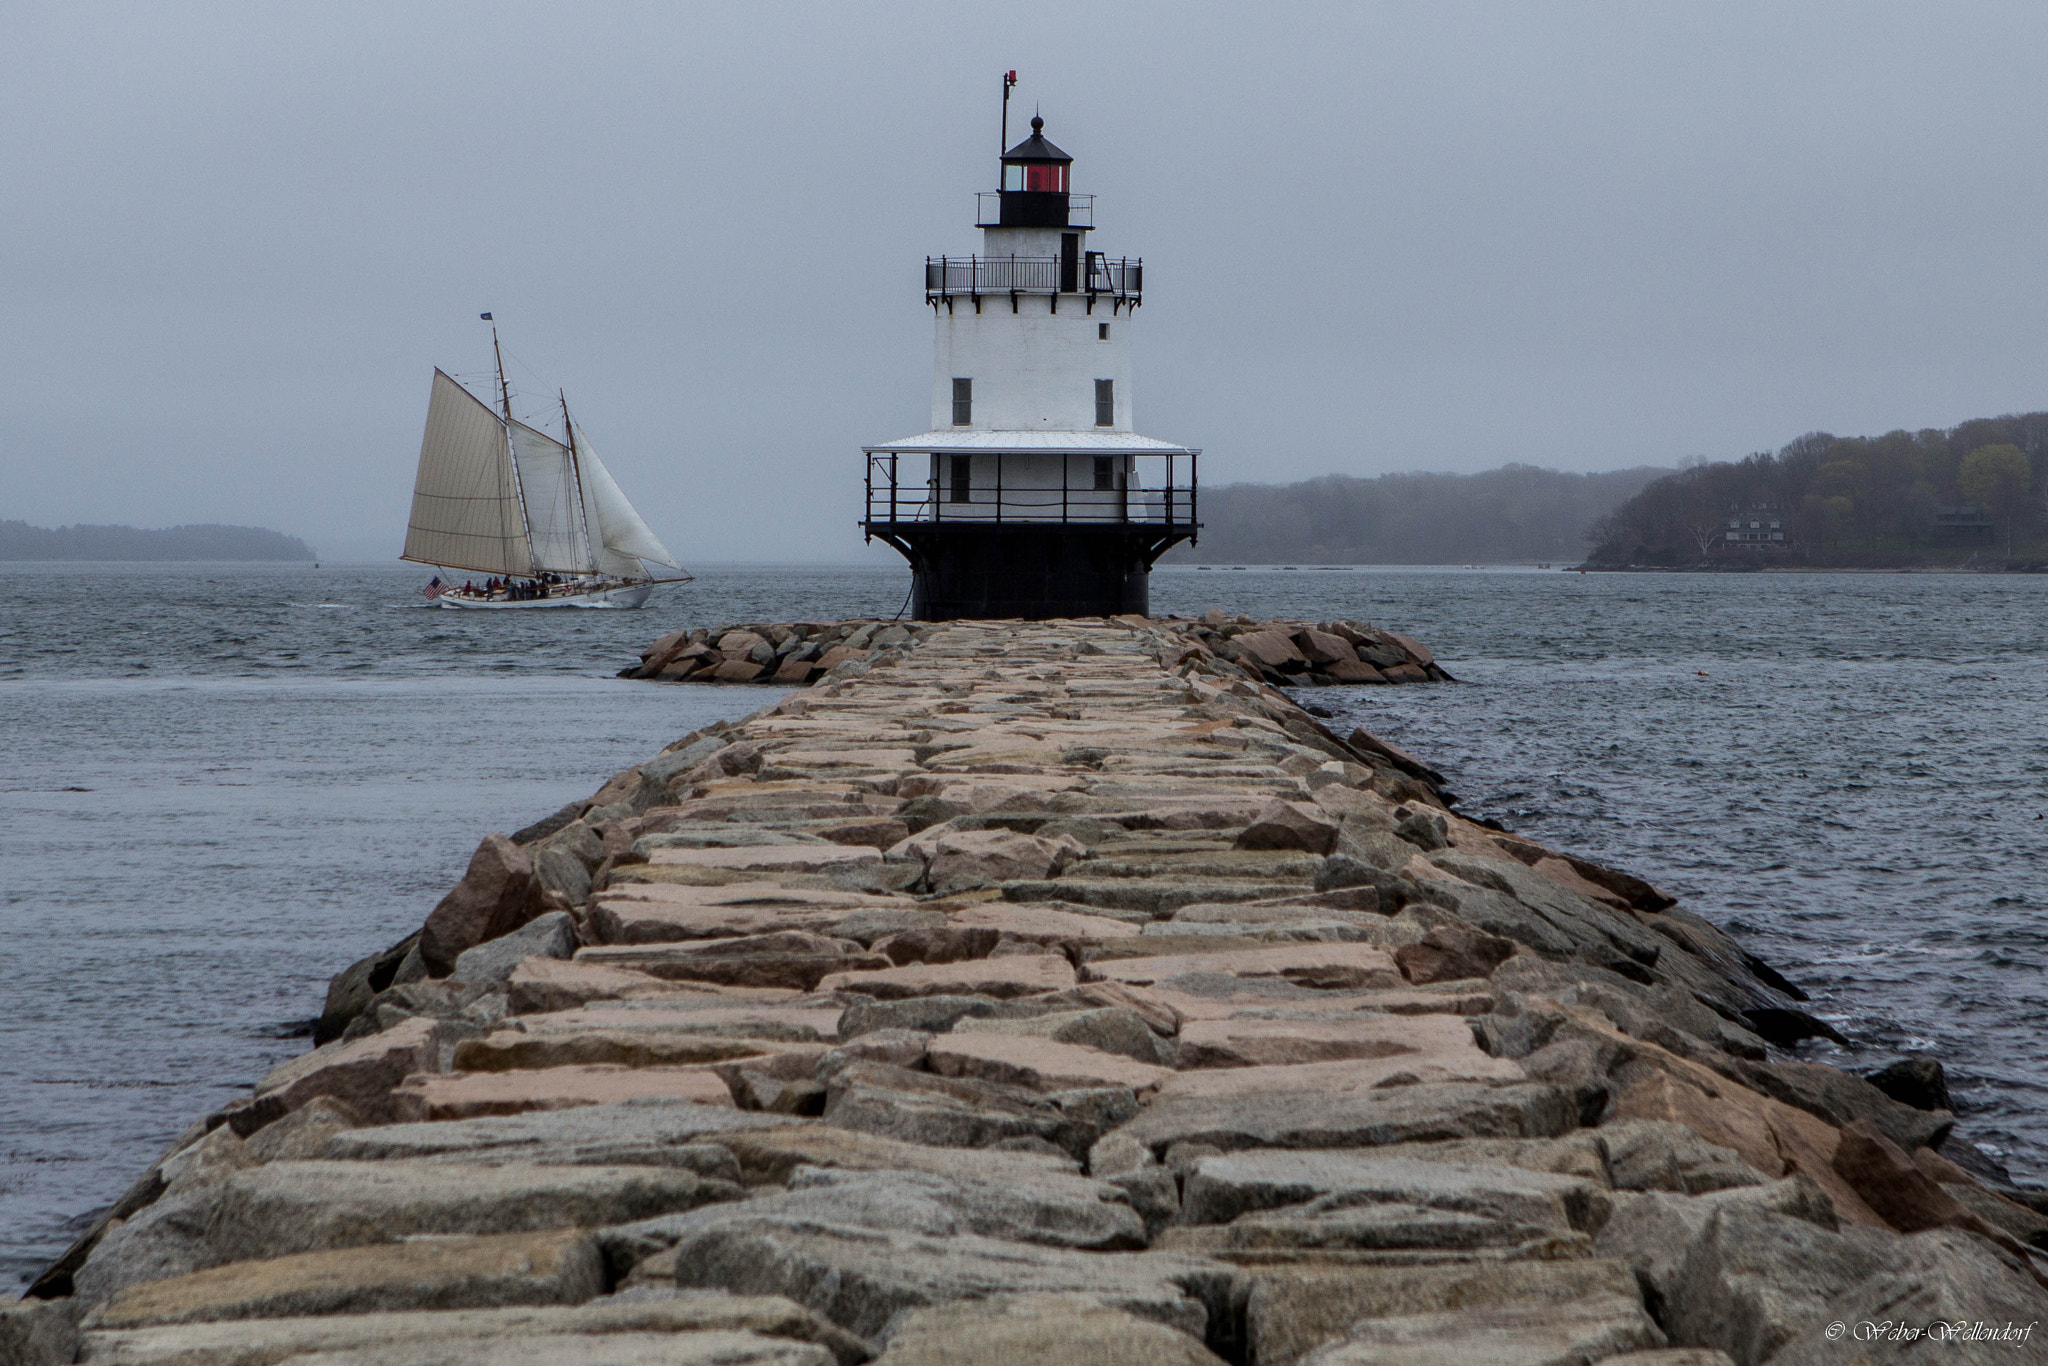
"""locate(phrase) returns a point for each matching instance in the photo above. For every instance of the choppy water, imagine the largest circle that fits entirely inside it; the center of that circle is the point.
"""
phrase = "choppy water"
(220, 784)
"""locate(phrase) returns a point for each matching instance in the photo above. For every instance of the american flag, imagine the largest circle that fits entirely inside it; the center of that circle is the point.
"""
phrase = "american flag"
(433, 588)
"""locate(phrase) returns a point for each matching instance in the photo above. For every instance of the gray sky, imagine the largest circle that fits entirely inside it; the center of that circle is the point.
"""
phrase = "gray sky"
(1379, 236)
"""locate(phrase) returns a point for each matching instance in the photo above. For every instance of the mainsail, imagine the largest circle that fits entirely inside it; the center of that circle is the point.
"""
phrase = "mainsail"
(465, 501)
(620, 539)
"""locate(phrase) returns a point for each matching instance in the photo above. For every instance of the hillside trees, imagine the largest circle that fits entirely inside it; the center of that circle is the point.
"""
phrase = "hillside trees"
(1997, 477)
(1842, 499)
(1518, 513)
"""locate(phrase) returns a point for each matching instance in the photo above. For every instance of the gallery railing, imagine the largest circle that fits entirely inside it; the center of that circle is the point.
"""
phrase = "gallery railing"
(988, 210)
(1158, 491)
(947, 277)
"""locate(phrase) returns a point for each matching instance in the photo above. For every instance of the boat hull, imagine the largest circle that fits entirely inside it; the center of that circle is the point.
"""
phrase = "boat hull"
(623, 599)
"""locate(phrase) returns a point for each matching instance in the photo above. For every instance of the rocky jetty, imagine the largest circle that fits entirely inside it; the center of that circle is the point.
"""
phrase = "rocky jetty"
(1283, 653)
(1052, 992)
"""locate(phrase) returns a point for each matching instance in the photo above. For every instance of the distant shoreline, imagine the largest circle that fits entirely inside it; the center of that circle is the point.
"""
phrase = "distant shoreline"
(2029, 568)
(20, 542)
(194, 562)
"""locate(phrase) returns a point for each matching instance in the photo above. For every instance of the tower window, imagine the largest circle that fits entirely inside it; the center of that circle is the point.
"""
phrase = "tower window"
(1105, 473)
(963, 402)
(1105, 403)
(1102, 331)
(962, 484)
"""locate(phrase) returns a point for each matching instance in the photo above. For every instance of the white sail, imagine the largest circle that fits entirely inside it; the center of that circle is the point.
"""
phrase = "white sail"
(554, 506)
(620, 537)
(465, 499)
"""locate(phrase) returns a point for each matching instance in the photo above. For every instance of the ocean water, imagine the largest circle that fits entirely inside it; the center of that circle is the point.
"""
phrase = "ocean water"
(221, 784)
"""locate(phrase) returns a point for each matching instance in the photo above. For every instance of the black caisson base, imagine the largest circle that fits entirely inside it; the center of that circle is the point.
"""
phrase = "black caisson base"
(1035, 573)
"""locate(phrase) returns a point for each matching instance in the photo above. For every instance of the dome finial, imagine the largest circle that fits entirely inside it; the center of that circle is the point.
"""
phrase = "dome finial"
(1037, 123)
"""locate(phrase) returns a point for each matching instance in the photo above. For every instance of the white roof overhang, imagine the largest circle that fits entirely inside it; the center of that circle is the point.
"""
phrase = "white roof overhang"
(956, 442)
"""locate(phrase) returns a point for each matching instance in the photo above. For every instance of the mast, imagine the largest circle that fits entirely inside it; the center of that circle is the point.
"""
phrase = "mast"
(576, 468)
(1009, 79)
(518, 485)
(504, 390)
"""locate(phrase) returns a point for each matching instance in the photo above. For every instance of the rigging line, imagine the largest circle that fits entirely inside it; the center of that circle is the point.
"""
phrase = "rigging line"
(532, 373)
(517, 359)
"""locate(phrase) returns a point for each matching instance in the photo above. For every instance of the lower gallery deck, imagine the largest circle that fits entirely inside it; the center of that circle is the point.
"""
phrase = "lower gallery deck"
(994, 532)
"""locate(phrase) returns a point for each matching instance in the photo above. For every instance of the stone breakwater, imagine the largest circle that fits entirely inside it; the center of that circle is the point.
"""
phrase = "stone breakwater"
(1283, 653)
(1043, 993)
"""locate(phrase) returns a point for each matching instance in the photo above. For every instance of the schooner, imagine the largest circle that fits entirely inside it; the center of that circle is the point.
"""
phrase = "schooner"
(543, 519)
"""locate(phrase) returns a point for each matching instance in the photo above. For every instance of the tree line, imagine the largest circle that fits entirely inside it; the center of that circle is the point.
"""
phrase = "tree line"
(1969, 491)
(20, 541)
(1518, 514)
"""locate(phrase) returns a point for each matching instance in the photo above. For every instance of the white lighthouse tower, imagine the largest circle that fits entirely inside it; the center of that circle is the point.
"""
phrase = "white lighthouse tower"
(1032, 496)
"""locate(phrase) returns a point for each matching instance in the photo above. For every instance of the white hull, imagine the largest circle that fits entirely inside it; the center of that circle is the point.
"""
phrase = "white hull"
(624, 598)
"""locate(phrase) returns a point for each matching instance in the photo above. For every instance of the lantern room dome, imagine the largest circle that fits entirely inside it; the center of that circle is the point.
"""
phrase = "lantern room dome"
(1035, 167)
(1036, 147)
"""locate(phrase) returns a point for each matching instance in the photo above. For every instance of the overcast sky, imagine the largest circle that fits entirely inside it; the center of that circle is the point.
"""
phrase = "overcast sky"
(1379, 237)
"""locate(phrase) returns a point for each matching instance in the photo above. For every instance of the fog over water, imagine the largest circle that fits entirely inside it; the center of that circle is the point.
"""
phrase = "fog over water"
(226, 783)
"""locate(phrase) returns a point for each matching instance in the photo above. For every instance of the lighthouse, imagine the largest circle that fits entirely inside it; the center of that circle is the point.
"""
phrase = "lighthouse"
(1032, 495)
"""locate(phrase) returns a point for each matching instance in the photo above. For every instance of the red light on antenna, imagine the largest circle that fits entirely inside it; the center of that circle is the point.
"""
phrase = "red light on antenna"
(1010, 78)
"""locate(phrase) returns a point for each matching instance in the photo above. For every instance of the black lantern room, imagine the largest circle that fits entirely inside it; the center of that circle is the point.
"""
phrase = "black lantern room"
(1034, 190)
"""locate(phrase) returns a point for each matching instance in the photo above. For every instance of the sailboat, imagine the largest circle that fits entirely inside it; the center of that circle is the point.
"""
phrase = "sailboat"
(542, 519)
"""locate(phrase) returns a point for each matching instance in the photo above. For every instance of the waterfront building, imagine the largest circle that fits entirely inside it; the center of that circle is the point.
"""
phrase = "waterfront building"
(1032, 495)
(1962, 524)
(1755, 530)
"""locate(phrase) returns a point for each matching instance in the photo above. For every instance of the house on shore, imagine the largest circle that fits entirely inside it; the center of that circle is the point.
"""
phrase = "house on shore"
(1754, 531)
(1961, 524)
